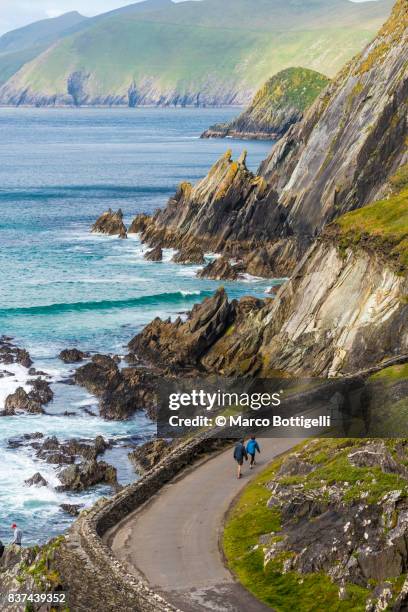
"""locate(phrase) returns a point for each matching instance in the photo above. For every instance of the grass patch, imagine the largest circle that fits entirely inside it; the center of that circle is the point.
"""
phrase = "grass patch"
(250, 518)
(391, 374)
(382, 225)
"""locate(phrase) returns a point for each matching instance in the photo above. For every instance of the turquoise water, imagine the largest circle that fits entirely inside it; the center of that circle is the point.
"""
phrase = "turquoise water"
(62, 286)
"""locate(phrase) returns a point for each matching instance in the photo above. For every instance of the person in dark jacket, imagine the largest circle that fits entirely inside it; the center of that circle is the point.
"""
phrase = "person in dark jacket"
(239, 455)
(1, 549)
(252, 448)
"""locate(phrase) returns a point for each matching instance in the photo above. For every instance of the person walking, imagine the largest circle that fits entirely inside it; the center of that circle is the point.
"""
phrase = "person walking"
(239, 455)
(18, 535)
(252, 448)
(1, 549)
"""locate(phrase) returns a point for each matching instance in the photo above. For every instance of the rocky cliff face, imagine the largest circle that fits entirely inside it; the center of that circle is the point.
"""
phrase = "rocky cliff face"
(338, 158)
(352, 139)
(339, 311)
(280, 103)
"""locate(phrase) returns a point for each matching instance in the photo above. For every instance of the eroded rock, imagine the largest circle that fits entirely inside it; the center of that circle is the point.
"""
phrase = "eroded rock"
(110, 223)
(72, 355)
(155, 254)
(147, 455)
(190, 255)
(81, 476)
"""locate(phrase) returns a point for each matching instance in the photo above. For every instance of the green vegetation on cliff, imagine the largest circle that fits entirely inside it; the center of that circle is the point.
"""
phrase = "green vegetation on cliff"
(280, 102)
(196, 52)
(382, 225)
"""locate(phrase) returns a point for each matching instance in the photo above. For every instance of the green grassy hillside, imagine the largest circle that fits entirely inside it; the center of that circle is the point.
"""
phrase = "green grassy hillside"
(24, 44)
(276, 106)
(205, 51)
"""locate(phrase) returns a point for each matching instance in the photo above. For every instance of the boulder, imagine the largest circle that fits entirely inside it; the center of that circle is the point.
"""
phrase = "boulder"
(293, 466)
(189, 255)
(37, 480)
(72, 509)
(20, 400)
(81, 476)
(41, 391)
(155, 254)
(72, 355)
(54, 451)
(110, 223)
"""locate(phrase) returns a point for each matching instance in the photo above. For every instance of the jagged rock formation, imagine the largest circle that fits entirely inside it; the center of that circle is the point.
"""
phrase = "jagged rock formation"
(31, 402)
(155, 254)
(222, 269)
(110, 223)
(191, 255)
(81, 476)
(183, 345)
(325, 166)
(149, 454)
(279, 104)
(139, 224)
(121, 392)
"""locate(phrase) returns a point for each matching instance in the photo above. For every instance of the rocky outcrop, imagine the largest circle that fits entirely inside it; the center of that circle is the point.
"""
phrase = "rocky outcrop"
(279, 104)
(325, 166)
(181, 344)
(32, 571)
(38, 480)
(139, 224)
(155, 254)
(10, 353)
(54, 451)
(121, 392)
(347, 528)
(81, 476)
(191, 255)
(110, 223)
(338, 312)
(72, 355)
(147, 455)
(72, 509)
(222, 269)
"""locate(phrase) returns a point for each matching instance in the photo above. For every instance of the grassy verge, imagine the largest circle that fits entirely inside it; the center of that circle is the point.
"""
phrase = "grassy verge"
(251, 518)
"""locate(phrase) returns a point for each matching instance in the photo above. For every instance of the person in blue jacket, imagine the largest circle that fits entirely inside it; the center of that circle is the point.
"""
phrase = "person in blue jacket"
(239, 455)
(252, 448)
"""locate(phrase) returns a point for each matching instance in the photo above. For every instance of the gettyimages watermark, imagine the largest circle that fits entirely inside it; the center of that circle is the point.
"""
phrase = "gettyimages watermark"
(235, 408)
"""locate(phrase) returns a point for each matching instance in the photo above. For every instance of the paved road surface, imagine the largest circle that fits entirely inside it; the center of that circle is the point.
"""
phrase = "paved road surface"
(173, 541)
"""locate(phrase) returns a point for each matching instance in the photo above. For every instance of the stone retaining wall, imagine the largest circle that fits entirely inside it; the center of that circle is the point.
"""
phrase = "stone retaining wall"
(95, 579)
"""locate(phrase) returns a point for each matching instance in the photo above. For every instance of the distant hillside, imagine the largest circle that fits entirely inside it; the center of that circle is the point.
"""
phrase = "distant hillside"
(24, 44)
(202, 53)
(275, 107)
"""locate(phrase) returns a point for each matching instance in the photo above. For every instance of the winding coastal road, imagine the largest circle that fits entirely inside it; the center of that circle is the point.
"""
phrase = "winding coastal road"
(173, 540)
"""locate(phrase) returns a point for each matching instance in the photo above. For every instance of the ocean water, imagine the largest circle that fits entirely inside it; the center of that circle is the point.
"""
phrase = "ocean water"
(62, 286)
